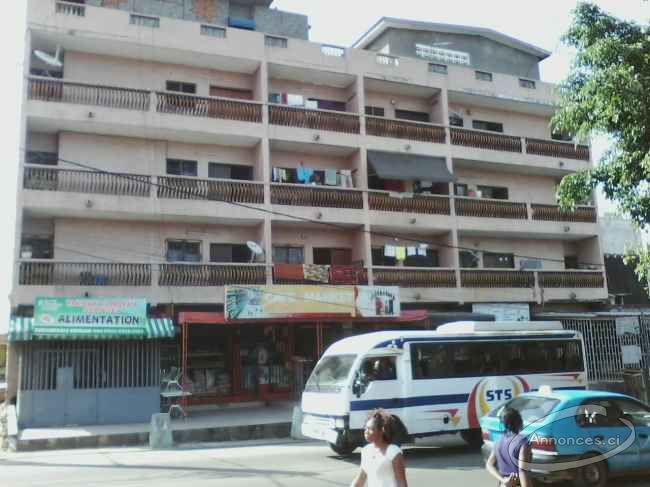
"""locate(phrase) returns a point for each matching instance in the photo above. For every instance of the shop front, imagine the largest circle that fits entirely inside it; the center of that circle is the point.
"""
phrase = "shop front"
(86, 361)
(265, 344)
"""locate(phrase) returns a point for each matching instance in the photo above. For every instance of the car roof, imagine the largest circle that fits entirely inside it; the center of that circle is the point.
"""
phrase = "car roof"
(578, 395)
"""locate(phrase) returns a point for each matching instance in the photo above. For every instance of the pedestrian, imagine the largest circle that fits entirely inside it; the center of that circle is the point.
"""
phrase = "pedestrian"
(382, 462)
(511, 452)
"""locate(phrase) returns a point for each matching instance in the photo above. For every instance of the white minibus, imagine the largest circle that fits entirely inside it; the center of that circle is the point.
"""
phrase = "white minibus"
(435, 382)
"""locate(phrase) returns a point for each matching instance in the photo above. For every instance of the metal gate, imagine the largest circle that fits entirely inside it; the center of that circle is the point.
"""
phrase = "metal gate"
(613, 345)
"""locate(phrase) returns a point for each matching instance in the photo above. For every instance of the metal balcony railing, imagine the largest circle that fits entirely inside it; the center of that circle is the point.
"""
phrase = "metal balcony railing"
(571, 280)
(211, 275)
(70, 8)
(414, 278)
(210, 107)
(554, 148)
(583, 214)
(307, 118)
(404, 129)
(89, 182)
(331, 50)
(40, 273)
(489, 208)
(485, 140)
(497, 279)
(56, 90)
(210, 190)
(427, 205)
(316, 196)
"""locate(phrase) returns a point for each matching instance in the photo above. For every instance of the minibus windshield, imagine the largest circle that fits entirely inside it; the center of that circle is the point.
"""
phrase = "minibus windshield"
(330, 374)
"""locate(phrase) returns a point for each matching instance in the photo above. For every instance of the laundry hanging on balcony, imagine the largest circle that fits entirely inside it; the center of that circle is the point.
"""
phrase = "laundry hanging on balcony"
(317, 273)
(409, 167)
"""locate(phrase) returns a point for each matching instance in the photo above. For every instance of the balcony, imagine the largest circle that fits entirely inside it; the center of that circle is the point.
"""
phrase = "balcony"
(316, 196)
(489, 208)
(402, 129)
(211, 275)
(56, 90)
(414, 277)
(571, 280)
(485, 140)
(427, 205)
(47, 273)
(210, 190)
(306, 118)
(196, 106)
(336, 275)
(88, 182)
(583, 214)
(69, 8)
(496, 279)
(554, 148)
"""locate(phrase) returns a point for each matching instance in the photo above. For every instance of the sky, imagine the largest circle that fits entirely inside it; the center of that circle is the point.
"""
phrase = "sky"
(339, 22)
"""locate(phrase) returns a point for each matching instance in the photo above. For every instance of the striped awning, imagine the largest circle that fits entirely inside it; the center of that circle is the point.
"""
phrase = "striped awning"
(22, 329)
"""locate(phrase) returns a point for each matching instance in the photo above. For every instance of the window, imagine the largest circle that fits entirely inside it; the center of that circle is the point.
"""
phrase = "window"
(468, 259)
(230, 171)
(483, 76)
(272, 41)
(331, 373)
(438, 68)
(571, 262)
(375, 111)
(182, 167)
(43, 158)
(411, 115)
(235, 93)
(379, 368)
(635, 412)
(36, 247)
(461, 189)
(531, 408)
(325, 256)
(378, 257)
(456, 121)
(493, 260)
(495, 192)
(527, 83)
(237, 253)
(490, 126)
(183, 251)
(476, 359)
(432, 259)
(181, 87)
(288, 255)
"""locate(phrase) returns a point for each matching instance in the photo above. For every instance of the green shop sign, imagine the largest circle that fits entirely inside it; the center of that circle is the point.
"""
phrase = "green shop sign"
(78, 317)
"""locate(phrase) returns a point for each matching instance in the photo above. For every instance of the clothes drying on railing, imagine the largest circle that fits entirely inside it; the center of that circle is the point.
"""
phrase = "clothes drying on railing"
(305, 175)
(317, 273)
(347, 275)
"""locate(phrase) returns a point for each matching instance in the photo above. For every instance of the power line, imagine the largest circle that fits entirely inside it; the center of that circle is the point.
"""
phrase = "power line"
(300, 218)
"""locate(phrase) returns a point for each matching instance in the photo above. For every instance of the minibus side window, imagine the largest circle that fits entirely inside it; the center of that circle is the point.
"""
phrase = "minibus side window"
(379, 368)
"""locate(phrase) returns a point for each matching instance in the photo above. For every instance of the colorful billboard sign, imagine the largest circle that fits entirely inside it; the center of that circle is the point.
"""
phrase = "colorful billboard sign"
(268, 302)
(75, 317)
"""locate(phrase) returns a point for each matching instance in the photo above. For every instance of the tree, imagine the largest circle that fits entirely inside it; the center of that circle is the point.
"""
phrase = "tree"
(607, 92)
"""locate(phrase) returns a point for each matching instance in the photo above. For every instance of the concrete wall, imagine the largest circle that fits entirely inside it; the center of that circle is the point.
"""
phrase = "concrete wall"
(513, 123)
(545, 249)
(309, 90)
(309, 238)
(534, 189)
(277, 22)
(485, 54)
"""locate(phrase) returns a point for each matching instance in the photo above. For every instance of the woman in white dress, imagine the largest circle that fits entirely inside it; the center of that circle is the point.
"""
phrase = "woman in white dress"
(382, 462)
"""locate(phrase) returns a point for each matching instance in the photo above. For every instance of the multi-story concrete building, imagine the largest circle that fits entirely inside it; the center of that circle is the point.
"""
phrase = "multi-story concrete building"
(216, 122)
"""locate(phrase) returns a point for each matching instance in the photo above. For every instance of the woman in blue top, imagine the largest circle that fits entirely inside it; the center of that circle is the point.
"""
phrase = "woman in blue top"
(510, 453)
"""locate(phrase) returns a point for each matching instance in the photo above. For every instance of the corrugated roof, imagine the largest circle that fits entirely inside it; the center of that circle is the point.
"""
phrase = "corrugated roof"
(387, 22)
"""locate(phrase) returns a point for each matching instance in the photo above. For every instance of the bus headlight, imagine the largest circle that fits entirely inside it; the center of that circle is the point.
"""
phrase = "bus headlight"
(339, 423)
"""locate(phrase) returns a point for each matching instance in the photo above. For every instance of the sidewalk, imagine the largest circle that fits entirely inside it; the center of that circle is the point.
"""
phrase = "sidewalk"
(255, 422)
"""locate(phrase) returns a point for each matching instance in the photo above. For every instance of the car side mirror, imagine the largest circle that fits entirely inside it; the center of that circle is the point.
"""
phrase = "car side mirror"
(360, 384)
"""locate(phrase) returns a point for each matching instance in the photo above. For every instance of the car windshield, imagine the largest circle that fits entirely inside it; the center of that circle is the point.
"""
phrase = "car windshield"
(330, 373)
(531, 408)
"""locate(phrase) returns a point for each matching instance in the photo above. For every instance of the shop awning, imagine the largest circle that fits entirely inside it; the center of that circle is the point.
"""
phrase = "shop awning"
(22, 329)
(409, 167)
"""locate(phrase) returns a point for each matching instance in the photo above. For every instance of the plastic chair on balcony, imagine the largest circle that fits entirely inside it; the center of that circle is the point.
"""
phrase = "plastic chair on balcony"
(170, 380)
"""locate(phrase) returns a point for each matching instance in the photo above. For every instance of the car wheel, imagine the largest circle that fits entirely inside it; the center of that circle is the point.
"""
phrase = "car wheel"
(592, 475)
(473, 438)
(343, 450)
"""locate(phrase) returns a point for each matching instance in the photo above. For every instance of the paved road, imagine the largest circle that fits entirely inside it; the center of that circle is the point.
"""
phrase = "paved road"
(280, 464)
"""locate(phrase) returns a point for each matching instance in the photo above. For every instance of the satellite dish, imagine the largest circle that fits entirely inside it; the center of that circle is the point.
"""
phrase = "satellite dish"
(255, 249)
(48, 59)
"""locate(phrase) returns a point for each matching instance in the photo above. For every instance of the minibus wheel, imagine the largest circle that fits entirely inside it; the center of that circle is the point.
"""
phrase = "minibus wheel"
(473, 438)
(344, 449)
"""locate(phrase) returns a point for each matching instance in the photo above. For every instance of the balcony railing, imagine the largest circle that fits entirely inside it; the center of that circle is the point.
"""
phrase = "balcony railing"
(488, 208)
(427, 205)
(300, 195)
(554, 148)
(210, 190)
(571, 280)
(496, 279)
(387, 60)
(583, 214)
(485, 140)
(56, 90)
(72, 181)
(333, 51)
(83, 274)
(414, 278)
(196, 106)
(403, 129)
(69, 8)
(338, 275)
(287, 116)
(211, 275)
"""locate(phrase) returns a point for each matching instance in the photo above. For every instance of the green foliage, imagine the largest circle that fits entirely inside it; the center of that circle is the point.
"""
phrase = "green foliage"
(608, 93)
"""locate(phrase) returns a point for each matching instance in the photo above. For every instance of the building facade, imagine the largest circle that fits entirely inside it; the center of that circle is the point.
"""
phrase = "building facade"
(175, 132)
